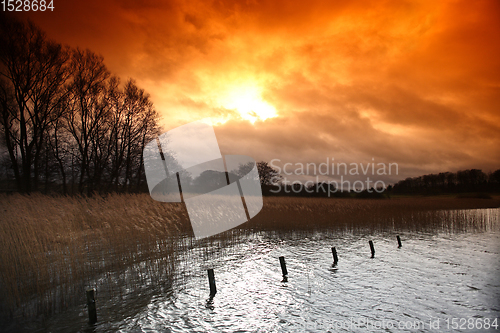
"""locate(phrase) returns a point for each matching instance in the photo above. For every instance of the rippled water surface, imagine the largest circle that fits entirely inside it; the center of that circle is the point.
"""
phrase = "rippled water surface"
(435, 275)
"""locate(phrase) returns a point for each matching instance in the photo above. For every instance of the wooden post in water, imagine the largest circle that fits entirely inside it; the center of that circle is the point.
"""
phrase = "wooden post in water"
(211, 282)
(399, 241)
(91, 306)
(335, 258)
(372, 248)
(283, 269)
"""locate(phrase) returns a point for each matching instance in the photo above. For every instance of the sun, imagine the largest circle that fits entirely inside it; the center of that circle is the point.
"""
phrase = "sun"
(248, 102)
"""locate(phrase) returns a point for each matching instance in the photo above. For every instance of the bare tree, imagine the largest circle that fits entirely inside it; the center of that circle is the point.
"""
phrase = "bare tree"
(268, 175)
(134, 123)
(33, 71)
(88, 109)
(62, 112)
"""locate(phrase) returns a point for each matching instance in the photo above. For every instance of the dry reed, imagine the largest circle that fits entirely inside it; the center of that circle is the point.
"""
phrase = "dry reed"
(52, 248)
(411, 213)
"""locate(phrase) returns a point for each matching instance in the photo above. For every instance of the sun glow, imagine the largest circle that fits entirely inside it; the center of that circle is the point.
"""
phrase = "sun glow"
(248, 102)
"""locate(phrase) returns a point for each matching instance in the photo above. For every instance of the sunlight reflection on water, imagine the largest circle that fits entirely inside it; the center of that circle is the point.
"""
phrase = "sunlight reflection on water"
(434, 275)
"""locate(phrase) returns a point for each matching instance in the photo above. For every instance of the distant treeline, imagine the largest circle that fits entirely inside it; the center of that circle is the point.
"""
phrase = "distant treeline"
(66, 123)
(316, 190)
(320, 190)
(272, 185)
(466, 181)
(472, 180)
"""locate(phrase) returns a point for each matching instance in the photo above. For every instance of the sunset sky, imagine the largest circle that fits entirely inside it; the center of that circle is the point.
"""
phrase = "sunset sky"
(415, 83)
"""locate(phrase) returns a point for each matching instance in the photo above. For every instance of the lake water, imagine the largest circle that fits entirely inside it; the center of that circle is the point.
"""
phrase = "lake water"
(437, 281)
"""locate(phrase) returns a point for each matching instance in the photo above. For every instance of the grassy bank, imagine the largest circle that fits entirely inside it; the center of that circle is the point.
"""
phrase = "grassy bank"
(52, 248)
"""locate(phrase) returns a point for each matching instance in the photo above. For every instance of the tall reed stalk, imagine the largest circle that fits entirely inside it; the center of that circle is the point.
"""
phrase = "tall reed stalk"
(52, 248)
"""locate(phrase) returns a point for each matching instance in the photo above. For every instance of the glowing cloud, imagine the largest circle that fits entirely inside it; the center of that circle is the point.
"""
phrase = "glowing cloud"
(248, 102)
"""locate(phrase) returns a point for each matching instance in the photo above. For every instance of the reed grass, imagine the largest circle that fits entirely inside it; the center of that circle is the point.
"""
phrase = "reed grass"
(53, 248)
(411, 213)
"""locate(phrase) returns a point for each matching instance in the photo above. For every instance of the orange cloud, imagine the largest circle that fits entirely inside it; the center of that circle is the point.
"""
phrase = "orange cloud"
(410, 82)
